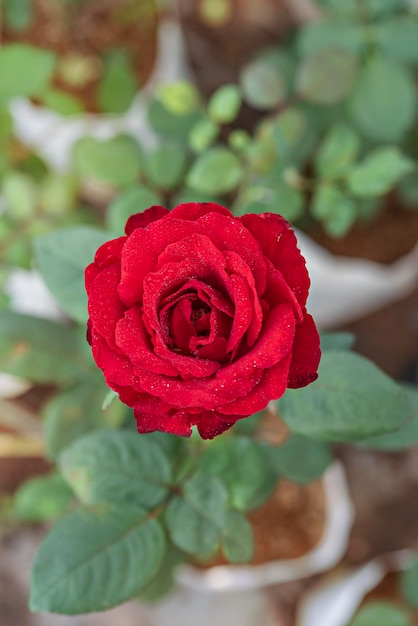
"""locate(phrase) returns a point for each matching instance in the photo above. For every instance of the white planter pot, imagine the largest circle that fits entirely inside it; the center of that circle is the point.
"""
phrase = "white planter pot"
(233, 594)
(334, 601)
(344, 289)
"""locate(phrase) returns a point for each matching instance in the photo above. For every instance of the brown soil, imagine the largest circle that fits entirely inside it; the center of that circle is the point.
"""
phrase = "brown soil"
(391, 235)
(92, 29)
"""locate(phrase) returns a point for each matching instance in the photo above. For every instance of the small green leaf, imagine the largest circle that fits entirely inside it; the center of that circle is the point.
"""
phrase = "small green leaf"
(114, 161)
(216, 171)
(239, 140)
(24, 70)
(38, 349)
(133, 199)
(384, 101)
(379, 172)
(116, 466)
(326, 76)
(406, 436)
(398, 38)
(118, 84)
(334, 209)
(41, 499)
(237, 539)
(196, 519)
(262, 85)
(300, 459)
(224, 105)
(20, 195)
(94, 559)
(337, 151)
(202, 135)
(293, 136)
(337, 341)
(380, 613)
(281, 199)
(351, 399)
(180, 97)
(330, 33)
(61, 102)
(166, 165)
(241, 466)
(166, 123)
(164, 580)
(17, 14)
(409, 583)
(62, 257)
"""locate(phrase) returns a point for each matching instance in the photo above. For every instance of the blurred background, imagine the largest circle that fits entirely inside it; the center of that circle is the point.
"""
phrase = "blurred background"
(300, 107)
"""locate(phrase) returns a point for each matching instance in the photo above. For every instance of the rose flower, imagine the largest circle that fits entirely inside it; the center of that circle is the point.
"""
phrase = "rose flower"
(198, 317)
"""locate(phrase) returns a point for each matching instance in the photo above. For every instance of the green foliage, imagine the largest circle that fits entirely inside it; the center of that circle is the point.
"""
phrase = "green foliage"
(378, 172)
(330, 34)
(337, 341)
(61, 102)
(216, 171)
(338, 150)
(409, 583)
(41, 499)
(20, 195)
(326, 76)
(114, 549)
(351, 399)
(166, 165)
(116, 161)
(299, 459)
(202, 135)
(179, 98)
(334, 208)
(24, 70)
(197, 516)
(133, 199)
(116, 467)
(237, 540)
(262, 85)
(17, 14)
(224, 105)
(398, 38)
(384, 101)
(384, 613)
(118, 84)
(62, 257)
(39, 350)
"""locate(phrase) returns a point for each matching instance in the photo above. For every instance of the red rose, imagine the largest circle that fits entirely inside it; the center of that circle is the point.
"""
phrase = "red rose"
(198, 317)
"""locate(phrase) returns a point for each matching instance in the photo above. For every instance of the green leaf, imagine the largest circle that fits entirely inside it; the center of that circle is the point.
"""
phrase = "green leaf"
(337, 341)
(163, 581)
(17, 14)
(62, 102)
(20, 195)
(202, 135)
(293, 136)
(24, 70)
(378, 173)
(168, 124)
(118, 84)
(57, 194)
(351, 399)
(237, 539)
(166, 165)
(281, 199)
(327, 33)
(62, 257)
(239, 462)
(71, 414)
(94, 559)
(40, 350)
(384, 101)
(224, 105)
(216, 171)
(398, 38)
(300, 459)
(380, 613)
(334, 208)
(262, 85)
(326, 76)
(337, 151)
(180, 97)
(41, 499)
(406, 436)
(196, 518)
(134, 199)
(116, 466)
(114, 161)
(409, 583)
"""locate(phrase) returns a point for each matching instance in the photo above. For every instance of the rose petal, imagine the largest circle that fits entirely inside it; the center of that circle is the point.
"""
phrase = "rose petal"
(141, 251)
(210, 424)
(194, 210)
(176, 423)
(110, 252)
(141, 220)
(279, 244)
(104, 307)
(306, 354)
